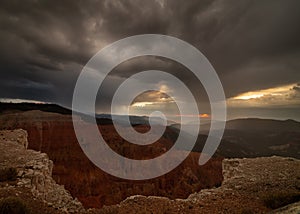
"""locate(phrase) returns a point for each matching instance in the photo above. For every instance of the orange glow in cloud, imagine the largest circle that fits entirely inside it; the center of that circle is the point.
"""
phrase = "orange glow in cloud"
(191, 115)
(282, 95)
(204, 115)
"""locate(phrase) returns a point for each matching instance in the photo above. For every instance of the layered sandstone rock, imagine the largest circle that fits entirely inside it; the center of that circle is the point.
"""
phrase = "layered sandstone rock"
(18, 135)
(34, 171)
(247, 184)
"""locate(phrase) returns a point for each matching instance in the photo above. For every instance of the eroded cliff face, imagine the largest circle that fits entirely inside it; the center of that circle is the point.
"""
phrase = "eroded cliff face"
(54, 134)
(249, 186)
(33, 172)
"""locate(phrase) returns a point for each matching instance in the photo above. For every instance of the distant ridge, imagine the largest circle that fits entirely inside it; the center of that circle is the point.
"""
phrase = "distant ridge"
(242, 124)
(15, 107)
(256, 124)
(55, 108)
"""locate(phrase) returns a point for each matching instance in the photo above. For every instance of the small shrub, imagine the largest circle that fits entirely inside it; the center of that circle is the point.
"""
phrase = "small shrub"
(13, 205)
(8, 174)
(280, 199)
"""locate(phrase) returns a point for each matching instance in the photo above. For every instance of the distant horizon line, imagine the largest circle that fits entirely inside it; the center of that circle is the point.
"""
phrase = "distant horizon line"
(22, 101)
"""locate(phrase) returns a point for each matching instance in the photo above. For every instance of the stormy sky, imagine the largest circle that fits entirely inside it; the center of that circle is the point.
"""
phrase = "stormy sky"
(254, 47)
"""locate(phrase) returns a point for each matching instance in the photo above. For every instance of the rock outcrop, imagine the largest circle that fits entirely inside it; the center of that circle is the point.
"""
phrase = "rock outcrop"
(249, 186)
(18, 135)
(33, 171)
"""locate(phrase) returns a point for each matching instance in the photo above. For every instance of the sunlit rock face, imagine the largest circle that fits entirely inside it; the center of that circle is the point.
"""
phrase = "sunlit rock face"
(53, 134)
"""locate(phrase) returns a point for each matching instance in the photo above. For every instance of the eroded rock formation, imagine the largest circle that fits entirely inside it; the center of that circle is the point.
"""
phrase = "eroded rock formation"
(33, 171)
(248, 184)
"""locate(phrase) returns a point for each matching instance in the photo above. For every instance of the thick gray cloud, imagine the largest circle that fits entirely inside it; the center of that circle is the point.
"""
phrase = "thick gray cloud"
(253, 45)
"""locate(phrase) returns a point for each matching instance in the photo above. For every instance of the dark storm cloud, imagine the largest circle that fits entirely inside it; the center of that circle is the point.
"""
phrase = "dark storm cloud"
(44, 44)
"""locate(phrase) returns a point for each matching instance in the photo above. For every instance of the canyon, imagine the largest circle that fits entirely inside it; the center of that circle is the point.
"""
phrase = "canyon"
(250, 185)
(53, 134)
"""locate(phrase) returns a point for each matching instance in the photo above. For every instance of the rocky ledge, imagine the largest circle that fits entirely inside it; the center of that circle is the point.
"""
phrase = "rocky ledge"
(258, 185)
(29, 170)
